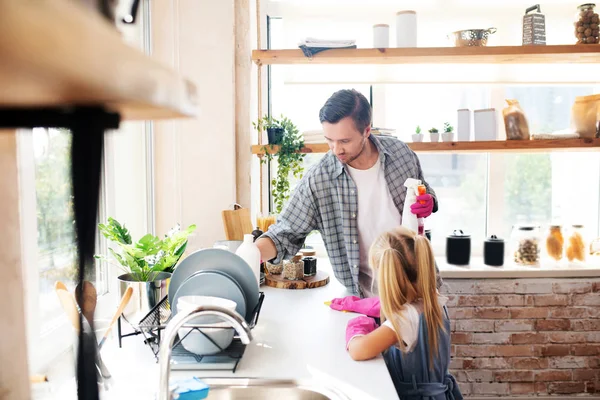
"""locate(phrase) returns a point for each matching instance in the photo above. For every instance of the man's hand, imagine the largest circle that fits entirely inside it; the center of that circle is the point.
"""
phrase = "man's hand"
(267, 248)
(423, 207)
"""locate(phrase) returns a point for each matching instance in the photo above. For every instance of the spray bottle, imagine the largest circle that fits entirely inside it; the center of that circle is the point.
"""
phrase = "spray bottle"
(410, 220)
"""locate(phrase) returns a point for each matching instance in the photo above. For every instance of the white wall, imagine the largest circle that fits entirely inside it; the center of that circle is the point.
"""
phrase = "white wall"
(195, 158)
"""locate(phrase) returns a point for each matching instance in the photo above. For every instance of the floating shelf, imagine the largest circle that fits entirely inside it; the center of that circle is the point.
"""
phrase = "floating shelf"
(58, 53)
(437, 55)
(522, 146)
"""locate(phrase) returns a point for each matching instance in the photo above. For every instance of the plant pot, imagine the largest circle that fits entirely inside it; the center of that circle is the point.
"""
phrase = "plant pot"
(435, 137)
(448, 137)
(275, 135)
(417, 137)
(145, 295)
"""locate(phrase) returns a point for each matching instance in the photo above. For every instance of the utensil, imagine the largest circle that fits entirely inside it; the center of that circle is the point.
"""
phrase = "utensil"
(122, 305)
(69, 306)
(471, 37)
(87, 297)
(218, 260)
(59, 285)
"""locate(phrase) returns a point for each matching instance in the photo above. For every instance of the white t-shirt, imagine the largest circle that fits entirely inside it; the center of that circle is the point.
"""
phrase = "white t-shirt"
(408, 319)
(377, 213)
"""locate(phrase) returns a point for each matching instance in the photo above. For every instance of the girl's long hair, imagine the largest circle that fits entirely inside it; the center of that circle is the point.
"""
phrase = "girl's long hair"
(405, 269)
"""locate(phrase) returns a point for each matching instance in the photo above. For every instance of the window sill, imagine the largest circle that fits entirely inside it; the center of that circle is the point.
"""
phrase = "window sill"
(477, 270)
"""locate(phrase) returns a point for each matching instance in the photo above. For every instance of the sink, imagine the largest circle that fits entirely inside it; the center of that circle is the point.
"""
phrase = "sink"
(268, 389)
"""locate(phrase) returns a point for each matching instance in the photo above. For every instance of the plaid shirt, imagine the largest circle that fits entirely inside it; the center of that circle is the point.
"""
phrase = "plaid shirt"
(326, 200)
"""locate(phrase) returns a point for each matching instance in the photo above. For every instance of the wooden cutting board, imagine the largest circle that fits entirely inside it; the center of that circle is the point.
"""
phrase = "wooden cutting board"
(237, 223)
(308, 282)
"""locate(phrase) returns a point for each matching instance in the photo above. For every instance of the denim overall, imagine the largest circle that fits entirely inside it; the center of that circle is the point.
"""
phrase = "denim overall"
(410, 372)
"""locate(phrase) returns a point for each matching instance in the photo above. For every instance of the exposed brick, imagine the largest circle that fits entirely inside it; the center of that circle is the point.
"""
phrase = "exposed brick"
(585, 325)
(596, 287)
(592, 387)
(589, 299)
(466, 388)
(510, 300)
(495, 286)
(529, 312)
(476, 301)
(593, 312)
(487, 363)
(491, 338)
(543, 300)
(572, 287)
(473, 375)
(459, 287)
(592, 337)
(567, 337)
(552, 325)
(567, 362)
(522, 388)
(529, 363)
(513, 376)
(533, 287)
(569, 312)
(462, 338)
(513, 351)
(593, 362)
(552, 376)
(586, 374)
(541, 388)
(566, 387)
(460, 313)
(555, 350)
(491, 313)
(457, 363)
(473, 351)
(452, 326)
(585, 349)
(464, 325)
(529, 301)
(452, 300)
(491, 388)
(528, 338)
(516, 325)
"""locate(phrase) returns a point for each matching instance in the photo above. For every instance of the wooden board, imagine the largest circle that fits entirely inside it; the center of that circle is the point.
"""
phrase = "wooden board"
(309, 282)
(237, 223)
(569, 53)
(523, 146)
(58, 53)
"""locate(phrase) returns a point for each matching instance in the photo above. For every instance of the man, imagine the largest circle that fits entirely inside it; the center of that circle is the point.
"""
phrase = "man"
(355, 193)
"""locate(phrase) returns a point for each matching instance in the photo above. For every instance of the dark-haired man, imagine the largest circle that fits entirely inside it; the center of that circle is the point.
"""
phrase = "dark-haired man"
(355, 193)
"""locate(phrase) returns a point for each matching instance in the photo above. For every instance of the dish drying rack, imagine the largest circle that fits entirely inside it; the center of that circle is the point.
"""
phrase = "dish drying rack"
(151, 325)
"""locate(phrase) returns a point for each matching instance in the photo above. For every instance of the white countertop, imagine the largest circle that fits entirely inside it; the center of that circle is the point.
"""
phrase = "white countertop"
(297, 337)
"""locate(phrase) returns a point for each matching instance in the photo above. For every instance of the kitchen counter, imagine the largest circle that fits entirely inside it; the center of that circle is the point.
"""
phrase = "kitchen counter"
(297, 337)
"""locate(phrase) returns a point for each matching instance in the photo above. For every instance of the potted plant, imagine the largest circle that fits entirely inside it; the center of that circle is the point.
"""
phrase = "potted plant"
(275, 129)
(148, 263)
(417, 136)
(448, 135)
(289, 162)
(434, 135)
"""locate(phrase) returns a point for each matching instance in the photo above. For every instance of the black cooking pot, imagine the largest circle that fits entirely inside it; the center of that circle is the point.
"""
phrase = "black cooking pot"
(458, 248)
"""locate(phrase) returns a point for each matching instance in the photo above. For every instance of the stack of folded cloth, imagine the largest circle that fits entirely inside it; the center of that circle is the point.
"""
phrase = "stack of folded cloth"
(383, 131)
(312, 46)
(313, 137)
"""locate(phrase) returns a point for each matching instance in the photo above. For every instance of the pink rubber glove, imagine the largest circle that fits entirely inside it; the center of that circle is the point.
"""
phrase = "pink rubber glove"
(369, 306)
(359, 326)
(423, 207)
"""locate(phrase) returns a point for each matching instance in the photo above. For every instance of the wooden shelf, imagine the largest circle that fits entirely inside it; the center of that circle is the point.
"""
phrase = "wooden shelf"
(57, 53)
(437, 55)
(521, 146)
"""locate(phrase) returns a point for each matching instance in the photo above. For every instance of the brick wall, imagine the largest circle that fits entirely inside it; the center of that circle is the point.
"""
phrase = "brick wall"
(523, 337)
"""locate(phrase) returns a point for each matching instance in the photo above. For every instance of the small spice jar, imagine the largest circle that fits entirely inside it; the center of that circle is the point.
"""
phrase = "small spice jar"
(555, 243)
(310, 262)
(293, 269)
(526, 245)
(587, 29)
(576, 247)
(274, 269)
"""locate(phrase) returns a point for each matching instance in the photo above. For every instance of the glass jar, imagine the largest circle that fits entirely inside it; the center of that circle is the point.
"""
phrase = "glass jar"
(576, 247)
(525, 241)
(587, 24)
(293, 269)
(274, 269)
(555, 243)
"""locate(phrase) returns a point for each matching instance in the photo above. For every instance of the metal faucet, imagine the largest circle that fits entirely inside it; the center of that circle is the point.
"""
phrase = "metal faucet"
(166, 346)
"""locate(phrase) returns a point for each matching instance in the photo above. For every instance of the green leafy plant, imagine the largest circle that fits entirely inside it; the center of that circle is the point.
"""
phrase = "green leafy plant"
(150, 255)
(448, 128)
(433, 130)
(418, 130)
(289, 158)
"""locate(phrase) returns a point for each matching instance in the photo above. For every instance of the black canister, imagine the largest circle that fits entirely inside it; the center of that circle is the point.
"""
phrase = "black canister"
(310, 266)
(493, 252)
(458, 248)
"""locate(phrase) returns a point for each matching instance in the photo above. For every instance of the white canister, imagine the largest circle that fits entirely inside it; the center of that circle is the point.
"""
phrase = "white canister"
(463, 128)
(484, 122)
(381, 36)
(406, 29)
